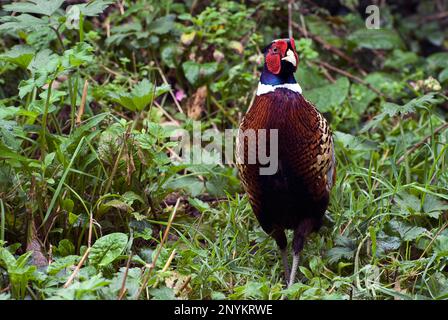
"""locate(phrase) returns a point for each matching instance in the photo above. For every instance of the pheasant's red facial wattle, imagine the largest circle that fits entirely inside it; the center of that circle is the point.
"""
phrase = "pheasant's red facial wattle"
(279, 51)
(274, 56)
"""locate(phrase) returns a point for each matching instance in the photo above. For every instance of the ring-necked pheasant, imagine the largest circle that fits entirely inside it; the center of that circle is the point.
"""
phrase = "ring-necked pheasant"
(297, 194)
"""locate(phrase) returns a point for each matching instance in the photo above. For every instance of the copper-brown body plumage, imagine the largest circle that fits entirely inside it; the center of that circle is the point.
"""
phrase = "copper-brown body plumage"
(297, 195)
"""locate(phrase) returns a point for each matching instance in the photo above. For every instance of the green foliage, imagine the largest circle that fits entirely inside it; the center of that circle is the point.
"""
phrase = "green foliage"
(141, 96)
(106, 249)
(377, 39)
(88, 107)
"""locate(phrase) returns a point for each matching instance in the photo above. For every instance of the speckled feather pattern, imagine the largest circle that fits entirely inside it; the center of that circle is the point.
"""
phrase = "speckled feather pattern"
(299, 191)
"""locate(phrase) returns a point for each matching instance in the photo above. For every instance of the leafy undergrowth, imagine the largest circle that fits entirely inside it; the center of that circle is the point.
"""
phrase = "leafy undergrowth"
(95, 204)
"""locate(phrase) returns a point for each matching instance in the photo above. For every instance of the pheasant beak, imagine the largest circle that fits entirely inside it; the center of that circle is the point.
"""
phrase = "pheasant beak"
(290, 57)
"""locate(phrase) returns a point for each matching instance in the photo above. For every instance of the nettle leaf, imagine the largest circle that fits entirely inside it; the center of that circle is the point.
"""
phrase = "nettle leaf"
(390, 109)
(20, 55)
(44, 7)
(329, 95)
(418, 103)
(384, 39)
(140, 96)
(106, 249)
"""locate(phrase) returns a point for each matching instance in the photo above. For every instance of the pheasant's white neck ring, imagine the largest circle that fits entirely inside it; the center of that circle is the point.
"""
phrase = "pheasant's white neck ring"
(266, 88)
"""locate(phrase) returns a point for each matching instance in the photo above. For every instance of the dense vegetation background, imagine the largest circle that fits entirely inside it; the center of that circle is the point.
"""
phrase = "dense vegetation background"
(94, 206)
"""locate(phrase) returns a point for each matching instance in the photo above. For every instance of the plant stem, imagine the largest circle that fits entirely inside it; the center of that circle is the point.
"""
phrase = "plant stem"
(2, 221)
(81, 27)
(44, 121)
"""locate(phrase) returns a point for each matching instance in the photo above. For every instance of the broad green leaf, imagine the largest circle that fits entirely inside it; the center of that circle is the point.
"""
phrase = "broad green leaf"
(107, 248)
(433, 206)
(329, 95)
(344, 248)
(162, 25)
(45, 7)
(408, 202)
(7, 260)
(401, 59)
(441, 245)
(438, 60)
(65, 248)
(199, 204)
(44, 63)
(196, 72)
(407, 231)
(62, 263)
(387, 243)
(164, 293)
(385, 39)
(190, 184)
(79, 55)
(361, 97)
(20, 55)
(10, 132)
(141, 95)
(169, 53)
(438, 284)
(94, 8)
(142, 229)
(390, 109)
(23, 22)
(443, 76)
(309, 77)
(8, 112)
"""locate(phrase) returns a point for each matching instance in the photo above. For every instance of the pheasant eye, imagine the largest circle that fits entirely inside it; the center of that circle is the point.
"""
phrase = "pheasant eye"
(275, 50)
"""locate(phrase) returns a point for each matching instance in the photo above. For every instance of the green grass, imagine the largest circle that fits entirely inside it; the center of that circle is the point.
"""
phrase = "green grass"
(95, 200)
